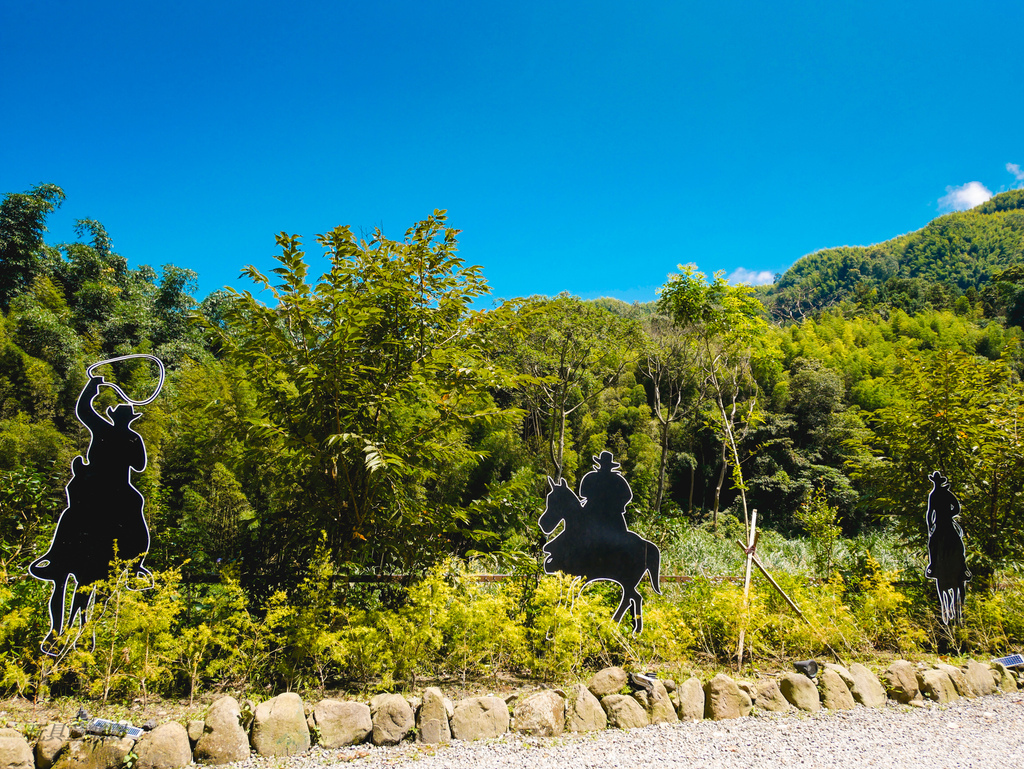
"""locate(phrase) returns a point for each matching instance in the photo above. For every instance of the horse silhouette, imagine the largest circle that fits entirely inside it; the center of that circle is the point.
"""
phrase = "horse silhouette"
(947, 560)
(104, 516)
(596, 544)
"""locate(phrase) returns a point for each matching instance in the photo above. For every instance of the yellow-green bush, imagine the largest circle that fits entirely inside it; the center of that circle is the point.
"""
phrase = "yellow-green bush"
(484, 634)
(565, 630)
(132, 626)
(175, 638)
(715, 612)
(882, 612)
(666, 637)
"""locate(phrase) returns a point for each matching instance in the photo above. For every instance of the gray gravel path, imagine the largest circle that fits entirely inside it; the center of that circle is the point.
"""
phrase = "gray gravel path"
(987, 733)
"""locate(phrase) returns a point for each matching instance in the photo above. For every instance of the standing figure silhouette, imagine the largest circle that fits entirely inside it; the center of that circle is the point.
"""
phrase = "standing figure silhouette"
(947, 559)
(104, 515)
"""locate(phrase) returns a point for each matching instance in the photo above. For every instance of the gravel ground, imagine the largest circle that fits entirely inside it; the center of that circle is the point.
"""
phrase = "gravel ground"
(985, 733)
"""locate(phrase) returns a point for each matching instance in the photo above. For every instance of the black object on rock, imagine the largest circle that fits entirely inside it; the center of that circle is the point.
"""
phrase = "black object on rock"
(638, 681)
(808, 667)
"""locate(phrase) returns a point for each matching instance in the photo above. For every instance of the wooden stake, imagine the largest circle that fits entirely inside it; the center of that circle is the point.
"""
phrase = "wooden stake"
(749, 550)
(776, 586)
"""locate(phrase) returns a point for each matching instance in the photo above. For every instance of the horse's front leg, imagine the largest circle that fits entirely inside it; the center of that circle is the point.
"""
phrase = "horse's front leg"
(56, 607)
(637, 602)
(622, 605)
(81, 605)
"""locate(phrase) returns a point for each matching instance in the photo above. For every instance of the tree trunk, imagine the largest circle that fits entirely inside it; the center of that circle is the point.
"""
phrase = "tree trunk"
(661, 469)
(558, 447)
(693, 481)
(718, 488)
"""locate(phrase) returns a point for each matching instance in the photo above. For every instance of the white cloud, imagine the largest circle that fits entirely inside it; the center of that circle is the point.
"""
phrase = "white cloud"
(1014, 169)
(963, 197)
(751, 277)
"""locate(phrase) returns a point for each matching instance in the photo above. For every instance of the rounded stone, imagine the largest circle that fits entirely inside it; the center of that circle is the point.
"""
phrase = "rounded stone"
(583, 711)
(835, 694)
(723, 699)
(542, 714)
(342, 723)
(624, 712)
(480, 718)
(15, 752)
(900, 680)
(166, 747)
(432, 725)
(800, 691)
(223, 740)
(392, 719)
(279, 727)
(608, 681)
(689, 698)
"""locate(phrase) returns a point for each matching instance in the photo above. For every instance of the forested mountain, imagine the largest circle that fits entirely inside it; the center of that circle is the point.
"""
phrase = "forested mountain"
(956, 262)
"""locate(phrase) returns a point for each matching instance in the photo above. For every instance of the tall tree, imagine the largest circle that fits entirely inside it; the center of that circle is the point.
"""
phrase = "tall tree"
(365, 383)
(671, 366)
(573, 351)
(22, 224)
(728, 324)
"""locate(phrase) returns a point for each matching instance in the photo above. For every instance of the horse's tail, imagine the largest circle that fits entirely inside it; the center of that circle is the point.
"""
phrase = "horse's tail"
(653, 563)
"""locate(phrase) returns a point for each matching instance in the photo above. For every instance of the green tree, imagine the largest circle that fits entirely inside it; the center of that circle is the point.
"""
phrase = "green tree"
(22, 224)
(961, 415)
(671, 367)
(728, 326)
(365, 384)
(571, 351)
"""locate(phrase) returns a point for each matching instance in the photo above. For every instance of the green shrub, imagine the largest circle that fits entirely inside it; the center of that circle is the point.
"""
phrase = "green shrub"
(221, 642)
(714, 612)
(484, 636)
(303, 628)
(132, 626)
(820, 521)
(882, 612)
(666, 637)
(566, 628)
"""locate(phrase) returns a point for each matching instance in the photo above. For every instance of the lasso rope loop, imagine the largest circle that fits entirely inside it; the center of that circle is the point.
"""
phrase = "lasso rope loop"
(121, 392)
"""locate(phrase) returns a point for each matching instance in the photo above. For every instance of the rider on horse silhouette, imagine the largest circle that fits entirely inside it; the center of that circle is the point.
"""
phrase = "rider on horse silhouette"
(596, 544)
(947, 560)
(604, 494)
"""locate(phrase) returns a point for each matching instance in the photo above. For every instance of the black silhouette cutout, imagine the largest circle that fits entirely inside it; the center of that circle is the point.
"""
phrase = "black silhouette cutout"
(596, 544)
(103, 507)
(947, 560)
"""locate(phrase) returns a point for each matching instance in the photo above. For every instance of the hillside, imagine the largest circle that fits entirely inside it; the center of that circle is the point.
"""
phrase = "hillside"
(954, 256)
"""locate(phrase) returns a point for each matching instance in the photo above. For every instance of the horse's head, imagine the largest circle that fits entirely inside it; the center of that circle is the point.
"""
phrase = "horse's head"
(561, 501)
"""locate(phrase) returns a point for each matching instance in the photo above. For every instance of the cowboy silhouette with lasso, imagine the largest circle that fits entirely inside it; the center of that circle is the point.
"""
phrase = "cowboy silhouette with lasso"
(104, 516)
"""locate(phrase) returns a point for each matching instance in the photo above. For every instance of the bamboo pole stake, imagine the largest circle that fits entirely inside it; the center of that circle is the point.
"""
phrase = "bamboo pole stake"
(775, 584)
(789, 600)
(749, 550)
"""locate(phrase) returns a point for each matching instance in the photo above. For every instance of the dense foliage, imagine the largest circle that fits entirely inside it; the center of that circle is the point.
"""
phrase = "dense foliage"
(327, 432)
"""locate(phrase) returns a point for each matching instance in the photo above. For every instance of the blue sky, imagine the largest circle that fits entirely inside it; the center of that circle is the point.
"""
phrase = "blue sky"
(582, 147)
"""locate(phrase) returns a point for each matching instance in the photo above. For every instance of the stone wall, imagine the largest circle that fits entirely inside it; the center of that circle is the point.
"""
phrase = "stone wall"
(285, 726)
